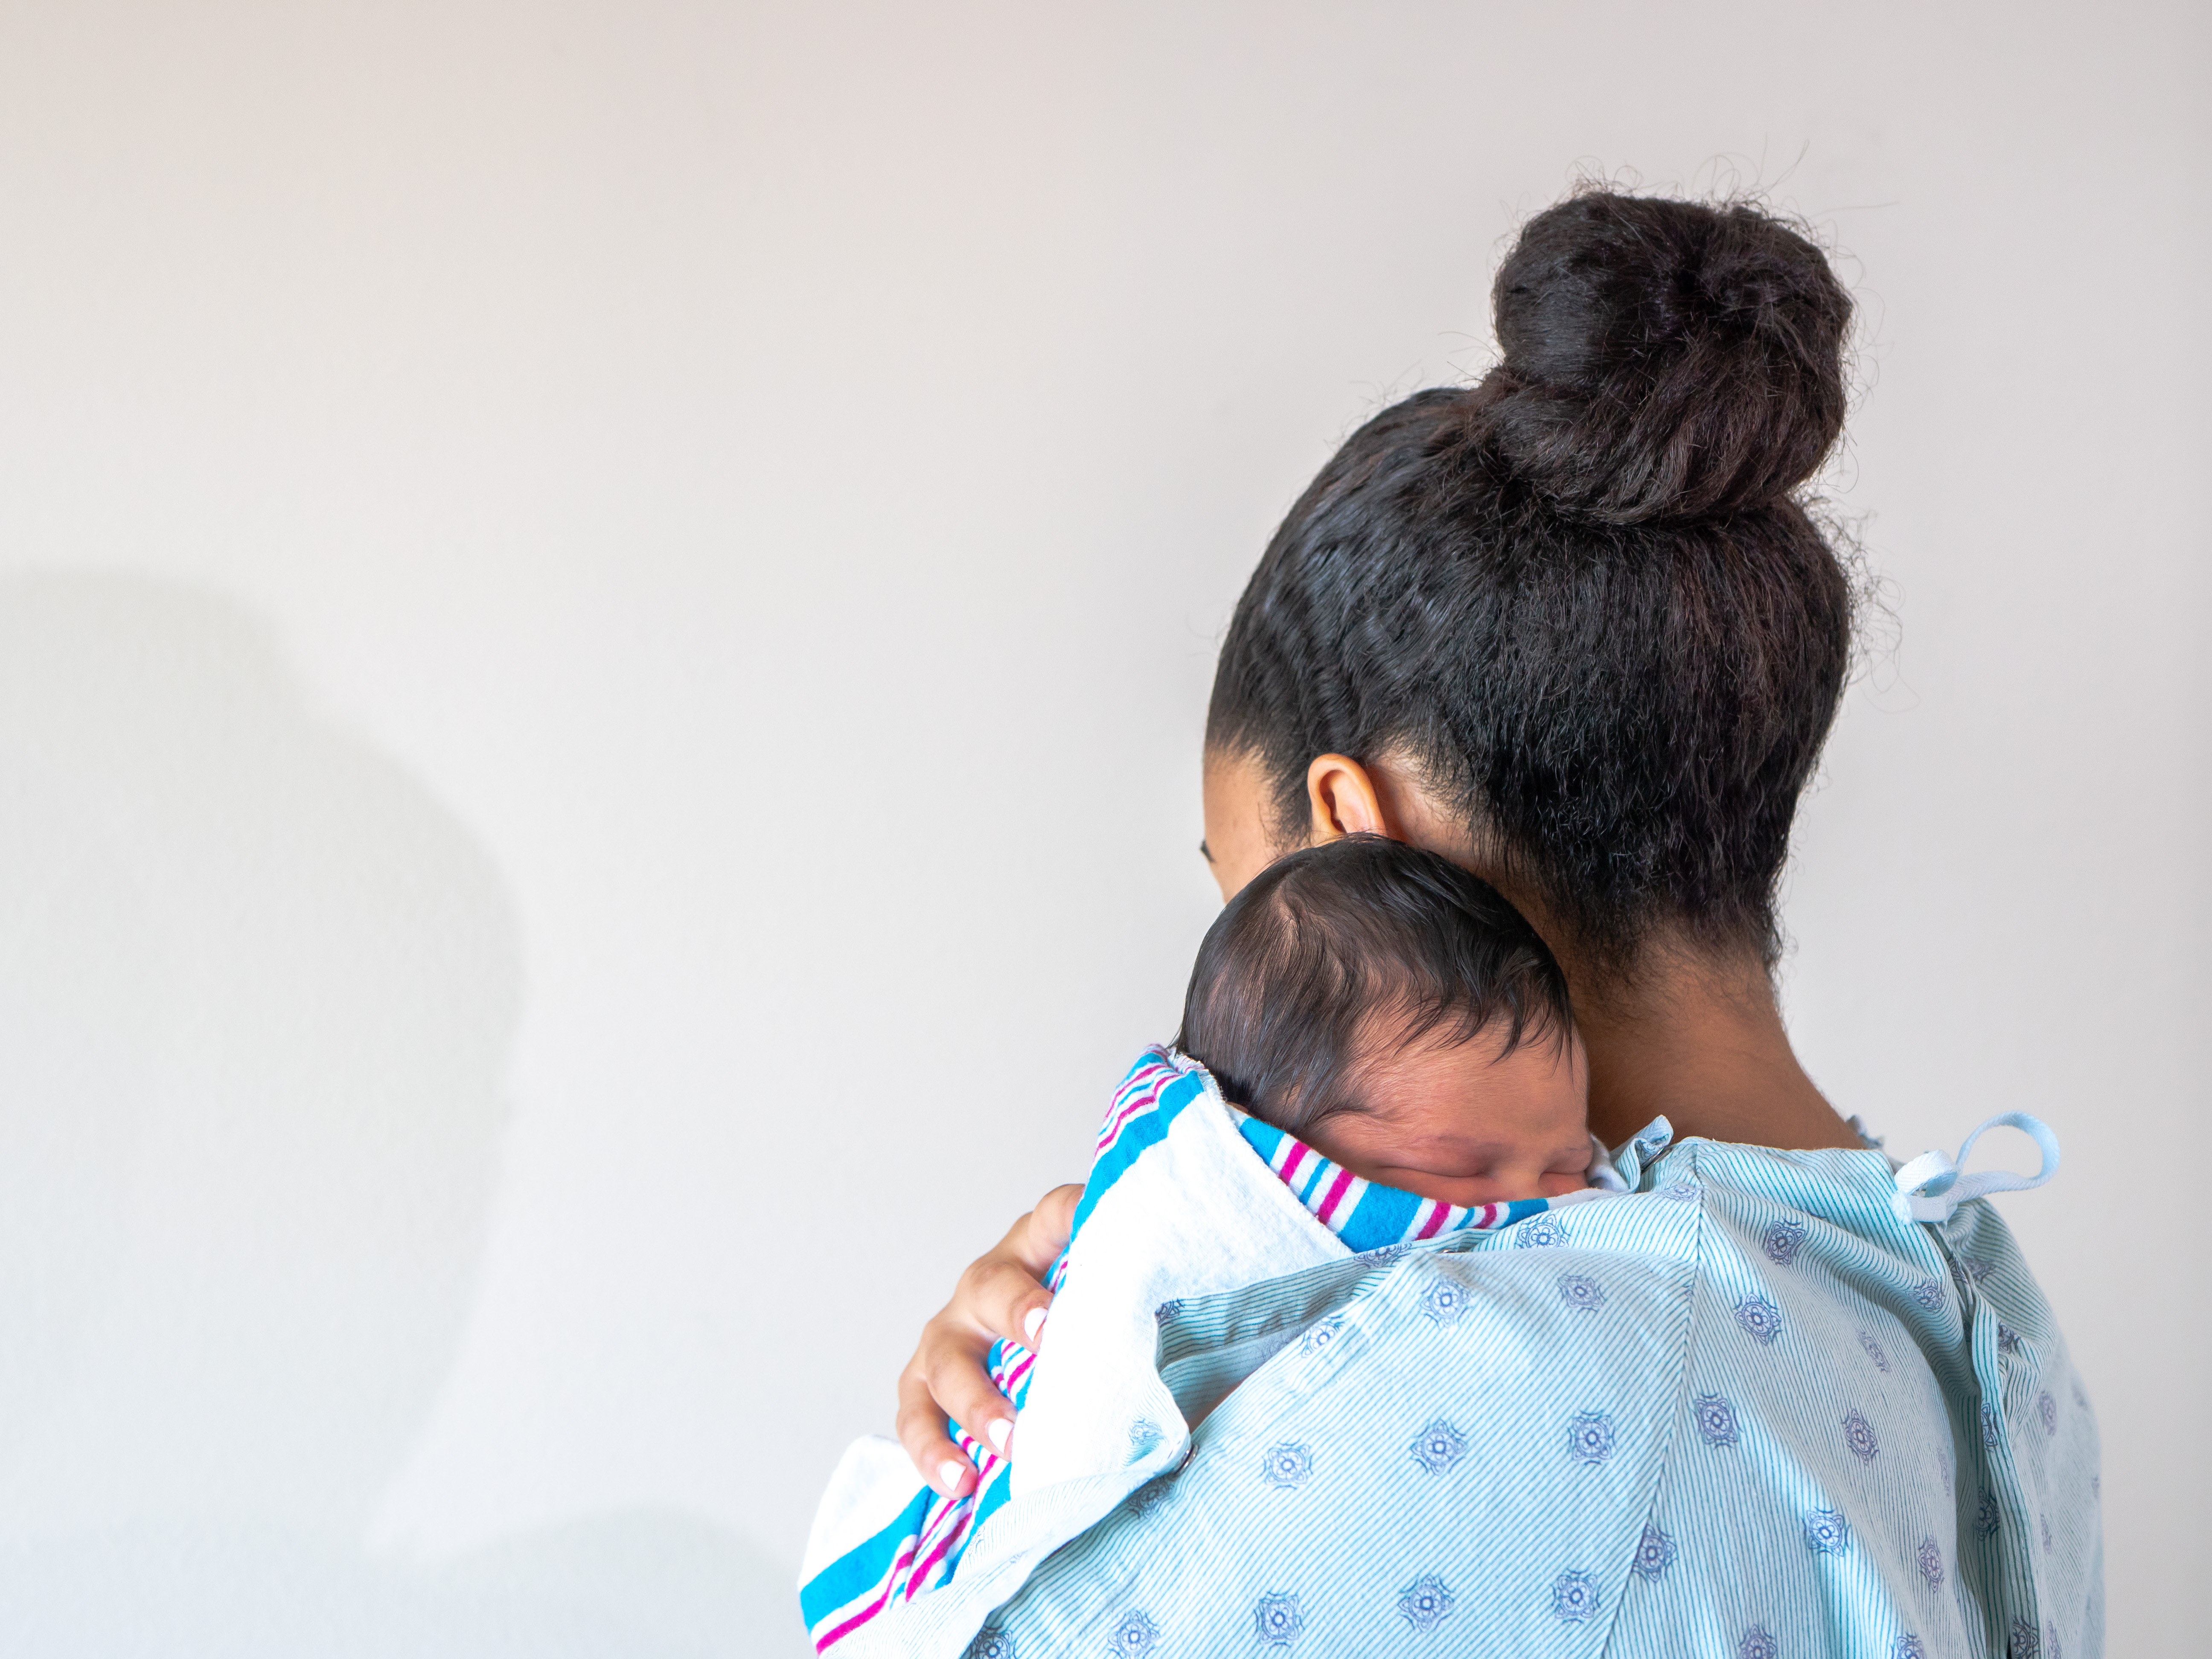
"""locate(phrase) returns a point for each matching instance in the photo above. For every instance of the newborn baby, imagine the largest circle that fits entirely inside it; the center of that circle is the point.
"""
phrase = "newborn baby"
(1376, 1049)
(1396, 1015)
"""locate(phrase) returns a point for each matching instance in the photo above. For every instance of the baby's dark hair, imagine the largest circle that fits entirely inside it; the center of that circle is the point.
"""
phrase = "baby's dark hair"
(1299, 968)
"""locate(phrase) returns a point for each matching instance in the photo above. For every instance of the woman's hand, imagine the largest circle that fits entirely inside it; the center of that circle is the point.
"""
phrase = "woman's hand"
(999, 1298)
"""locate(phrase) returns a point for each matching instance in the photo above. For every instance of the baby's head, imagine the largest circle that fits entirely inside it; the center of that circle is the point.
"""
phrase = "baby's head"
(1394, 1013)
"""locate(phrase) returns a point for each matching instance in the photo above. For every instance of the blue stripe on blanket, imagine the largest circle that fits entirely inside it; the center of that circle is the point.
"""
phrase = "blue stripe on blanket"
(988, 1501)
(1264, 1137)
(1381, 1217)
(1147, 1129)
(863, 1567)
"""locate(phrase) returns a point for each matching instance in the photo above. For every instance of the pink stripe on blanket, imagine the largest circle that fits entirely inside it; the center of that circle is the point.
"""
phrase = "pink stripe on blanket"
(1327, 1210)
(822, 1644)
(921, 1573)
(1147, 1096)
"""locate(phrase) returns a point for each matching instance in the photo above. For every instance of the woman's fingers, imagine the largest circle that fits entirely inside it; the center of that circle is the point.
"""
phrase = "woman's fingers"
(922, 1432)
(946, 1379)
(1049, 1224)
(1002, 1291)
(999, 1296)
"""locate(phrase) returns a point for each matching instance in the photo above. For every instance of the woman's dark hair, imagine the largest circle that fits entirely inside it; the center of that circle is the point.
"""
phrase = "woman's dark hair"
(1334, 948)
(1582, 597)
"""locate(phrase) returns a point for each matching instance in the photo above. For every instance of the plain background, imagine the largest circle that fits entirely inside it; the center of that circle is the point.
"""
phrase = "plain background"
(605, 616)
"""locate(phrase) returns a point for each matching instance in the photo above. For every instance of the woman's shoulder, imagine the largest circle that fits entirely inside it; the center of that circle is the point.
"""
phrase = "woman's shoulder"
(1701, 1399)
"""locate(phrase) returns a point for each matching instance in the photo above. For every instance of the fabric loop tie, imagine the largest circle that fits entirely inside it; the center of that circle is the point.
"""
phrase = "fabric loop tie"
(1934, 1184)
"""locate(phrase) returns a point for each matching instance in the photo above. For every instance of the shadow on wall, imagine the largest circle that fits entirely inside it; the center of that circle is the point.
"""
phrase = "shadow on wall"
(257, 991)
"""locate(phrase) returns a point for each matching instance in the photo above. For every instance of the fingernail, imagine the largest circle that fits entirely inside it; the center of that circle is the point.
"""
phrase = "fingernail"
(1032, 1324)
(999, 1433)
(949, 1475)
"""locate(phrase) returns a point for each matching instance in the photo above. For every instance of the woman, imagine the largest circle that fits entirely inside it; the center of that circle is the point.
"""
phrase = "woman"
(1574, 628)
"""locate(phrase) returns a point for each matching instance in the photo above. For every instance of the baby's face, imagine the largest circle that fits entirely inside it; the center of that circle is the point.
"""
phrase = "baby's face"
(1457, 1123)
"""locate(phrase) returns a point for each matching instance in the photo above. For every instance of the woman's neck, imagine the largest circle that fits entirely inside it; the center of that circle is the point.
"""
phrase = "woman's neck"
(1691, 1035)
(1701, 1043)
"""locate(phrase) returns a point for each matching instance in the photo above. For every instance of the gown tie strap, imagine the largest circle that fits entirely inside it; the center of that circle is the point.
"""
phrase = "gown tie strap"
(1932, 1185)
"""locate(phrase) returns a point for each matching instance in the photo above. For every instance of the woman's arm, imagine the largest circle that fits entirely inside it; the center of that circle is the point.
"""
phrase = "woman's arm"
(1001, 1297)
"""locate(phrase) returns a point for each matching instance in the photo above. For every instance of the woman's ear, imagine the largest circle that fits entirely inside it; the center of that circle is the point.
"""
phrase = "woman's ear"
(1342, 800)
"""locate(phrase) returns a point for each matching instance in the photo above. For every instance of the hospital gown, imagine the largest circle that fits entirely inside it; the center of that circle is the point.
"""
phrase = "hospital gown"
(1746, 1411)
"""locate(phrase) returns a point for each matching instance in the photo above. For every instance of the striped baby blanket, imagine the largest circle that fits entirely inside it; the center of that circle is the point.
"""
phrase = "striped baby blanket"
(1186, 1196)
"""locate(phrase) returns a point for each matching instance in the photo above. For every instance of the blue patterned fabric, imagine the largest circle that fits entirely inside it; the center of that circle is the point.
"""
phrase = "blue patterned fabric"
(1745, 1411)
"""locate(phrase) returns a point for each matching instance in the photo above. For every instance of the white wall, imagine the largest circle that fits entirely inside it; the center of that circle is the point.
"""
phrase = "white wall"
(605, 617)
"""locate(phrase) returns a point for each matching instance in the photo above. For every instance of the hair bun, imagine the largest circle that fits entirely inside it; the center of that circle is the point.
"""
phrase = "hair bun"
(1664, 359)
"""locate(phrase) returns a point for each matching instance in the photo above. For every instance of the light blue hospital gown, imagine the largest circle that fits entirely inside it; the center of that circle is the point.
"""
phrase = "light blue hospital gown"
(1745, 1412)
